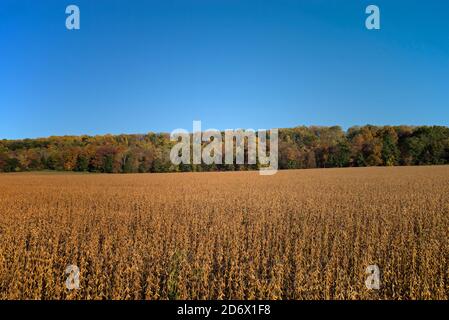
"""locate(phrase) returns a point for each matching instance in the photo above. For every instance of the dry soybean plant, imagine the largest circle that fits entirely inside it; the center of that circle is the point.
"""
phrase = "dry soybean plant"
(301, 234)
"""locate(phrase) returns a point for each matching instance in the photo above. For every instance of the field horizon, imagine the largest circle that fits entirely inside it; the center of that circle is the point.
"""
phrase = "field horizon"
(59, 172)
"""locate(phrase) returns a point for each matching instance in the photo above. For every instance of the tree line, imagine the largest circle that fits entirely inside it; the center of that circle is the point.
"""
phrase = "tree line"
(299, 147)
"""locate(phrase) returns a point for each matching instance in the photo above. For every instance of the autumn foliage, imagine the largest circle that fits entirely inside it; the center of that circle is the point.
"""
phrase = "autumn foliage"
(300, 147)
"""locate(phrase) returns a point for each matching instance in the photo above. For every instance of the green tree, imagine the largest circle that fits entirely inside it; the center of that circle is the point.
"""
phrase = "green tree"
(82, 163)
(390, 150)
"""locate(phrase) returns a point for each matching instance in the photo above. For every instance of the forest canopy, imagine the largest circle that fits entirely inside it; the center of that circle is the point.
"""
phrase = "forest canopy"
(299, 147)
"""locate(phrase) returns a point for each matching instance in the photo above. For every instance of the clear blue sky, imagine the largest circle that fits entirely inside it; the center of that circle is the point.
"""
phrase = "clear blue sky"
(140, 66)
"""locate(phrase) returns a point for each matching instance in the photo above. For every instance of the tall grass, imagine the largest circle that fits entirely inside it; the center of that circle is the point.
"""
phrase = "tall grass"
(307, 234)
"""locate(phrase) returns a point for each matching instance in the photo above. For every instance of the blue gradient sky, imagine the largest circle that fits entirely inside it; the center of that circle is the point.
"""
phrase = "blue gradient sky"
(140, 66)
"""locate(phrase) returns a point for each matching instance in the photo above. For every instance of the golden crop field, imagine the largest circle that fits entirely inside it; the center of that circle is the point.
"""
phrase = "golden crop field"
(302, 234)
